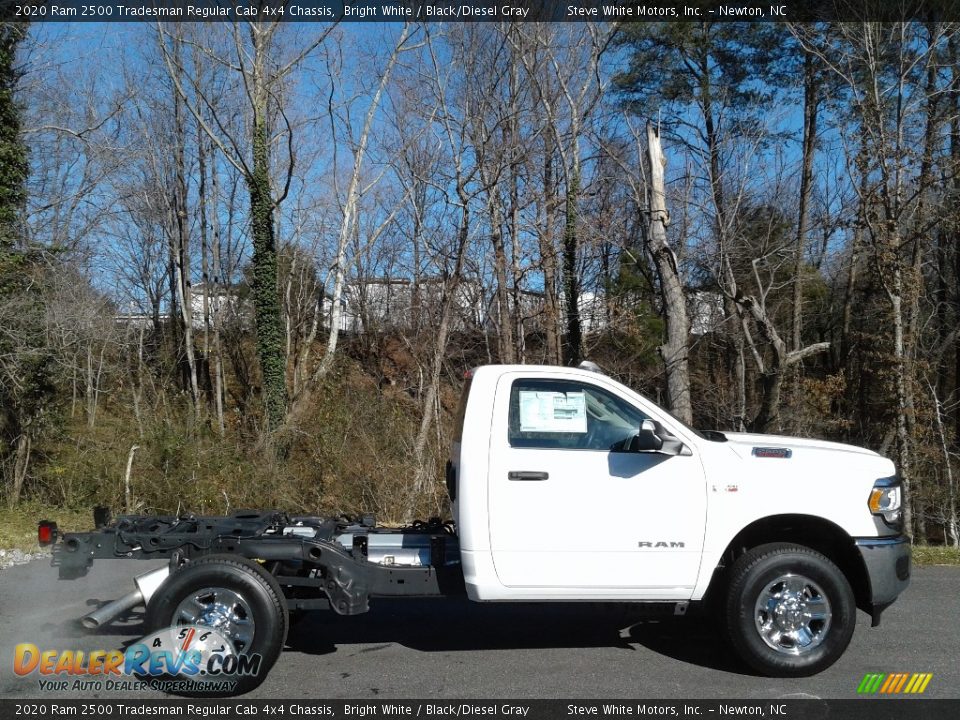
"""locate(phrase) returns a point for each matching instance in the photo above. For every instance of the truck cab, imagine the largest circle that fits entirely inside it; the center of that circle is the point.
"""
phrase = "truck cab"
(567, 485)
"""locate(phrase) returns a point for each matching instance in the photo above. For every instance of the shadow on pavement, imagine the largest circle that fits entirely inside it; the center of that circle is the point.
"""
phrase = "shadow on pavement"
(461, 625)
(456, 624)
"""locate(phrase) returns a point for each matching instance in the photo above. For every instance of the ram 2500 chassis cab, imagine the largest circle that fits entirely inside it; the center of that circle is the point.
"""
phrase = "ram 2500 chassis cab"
(565, 486)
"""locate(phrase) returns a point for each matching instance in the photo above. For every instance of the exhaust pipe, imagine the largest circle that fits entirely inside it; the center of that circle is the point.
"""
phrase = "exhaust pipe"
(147, 585)
(105, 613)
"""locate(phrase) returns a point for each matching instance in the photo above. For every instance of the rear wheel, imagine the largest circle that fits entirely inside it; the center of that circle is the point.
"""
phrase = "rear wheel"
(237, 598)
(790, 612)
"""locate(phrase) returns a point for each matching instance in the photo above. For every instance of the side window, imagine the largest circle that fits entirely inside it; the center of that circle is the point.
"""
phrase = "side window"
(560, 414)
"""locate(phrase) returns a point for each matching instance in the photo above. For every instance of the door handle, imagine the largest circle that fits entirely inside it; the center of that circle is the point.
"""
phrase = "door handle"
(527, 475)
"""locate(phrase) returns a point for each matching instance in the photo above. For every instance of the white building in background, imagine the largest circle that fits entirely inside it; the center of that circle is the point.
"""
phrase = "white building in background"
(378, 304)
(383, 304)
(131, 315)
(593, 311)
(221, 302)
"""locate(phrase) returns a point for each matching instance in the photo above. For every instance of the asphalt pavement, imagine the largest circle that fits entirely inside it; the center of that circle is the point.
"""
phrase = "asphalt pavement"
(462, 650)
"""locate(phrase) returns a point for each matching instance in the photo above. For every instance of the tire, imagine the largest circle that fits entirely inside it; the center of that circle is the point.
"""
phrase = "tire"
(789, 611)
(257, 601)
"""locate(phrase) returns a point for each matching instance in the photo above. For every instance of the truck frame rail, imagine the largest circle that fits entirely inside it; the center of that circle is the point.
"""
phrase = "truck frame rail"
(319, 562)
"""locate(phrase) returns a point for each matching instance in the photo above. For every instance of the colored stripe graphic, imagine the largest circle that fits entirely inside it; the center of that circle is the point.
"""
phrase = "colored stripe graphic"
(871, 683)
(922, 682)
(894, 683)
(889, 682)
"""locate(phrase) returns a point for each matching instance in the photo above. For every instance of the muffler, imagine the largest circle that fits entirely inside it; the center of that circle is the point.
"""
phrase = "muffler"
(147, 585)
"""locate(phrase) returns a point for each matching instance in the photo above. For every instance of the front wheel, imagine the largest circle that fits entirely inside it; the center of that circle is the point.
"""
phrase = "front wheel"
(790, 612)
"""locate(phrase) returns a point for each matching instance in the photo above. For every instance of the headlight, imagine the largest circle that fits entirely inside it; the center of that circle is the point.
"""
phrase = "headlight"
(885, 500)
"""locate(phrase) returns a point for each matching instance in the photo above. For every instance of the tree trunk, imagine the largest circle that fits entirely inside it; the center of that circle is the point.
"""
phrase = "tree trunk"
(91, 391)
(14, 154)
(573, 342)
(127, 491)
(21, 465)
(181, 252)
(204, 262)
(430, 400)
(810, 107)
(172, 326)
(900, 370)
(548, 259)
(416, 305)
(136, 387)
(269, 320)
(950, 516)
(771, 375)
(515, 154)
(505, 342)
(954, 111)
(675, 351)
(221, 284)
(348, 226)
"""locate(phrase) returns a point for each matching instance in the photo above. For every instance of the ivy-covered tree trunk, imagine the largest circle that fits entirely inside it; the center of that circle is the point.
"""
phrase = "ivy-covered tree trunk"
(266, 302)
(571, 280)
(13, 152)
(548, 260)
(21, 394)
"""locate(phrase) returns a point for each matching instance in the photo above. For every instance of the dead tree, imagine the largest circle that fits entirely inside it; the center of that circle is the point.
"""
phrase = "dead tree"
(675, 351)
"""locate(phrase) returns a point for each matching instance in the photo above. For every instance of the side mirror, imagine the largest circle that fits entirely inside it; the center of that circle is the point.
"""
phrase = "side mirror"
(654, 438)
(647, 439)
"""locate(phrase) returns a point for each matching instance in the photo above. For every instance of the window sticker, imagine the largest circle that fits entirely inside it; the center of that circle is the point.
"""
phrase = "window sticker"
(553, 412)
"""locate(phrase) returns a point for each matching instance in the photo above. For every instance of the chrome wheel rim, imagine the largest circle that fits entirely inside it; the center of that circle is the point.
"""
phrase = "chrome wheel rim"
(221, 608)
(792, 614)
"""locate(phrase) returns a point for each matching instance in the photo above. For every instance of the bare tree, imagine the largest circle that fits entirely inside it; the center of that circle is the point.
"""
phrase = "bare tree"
(350, 206)
(453, 127)
(580, 86)
(675, 350)
(879, 65)
(256, 58)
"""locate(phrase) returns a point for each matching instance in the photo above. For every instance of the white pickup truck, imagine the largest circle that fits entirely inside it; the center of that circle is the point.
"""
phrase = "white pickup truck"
(566, 486)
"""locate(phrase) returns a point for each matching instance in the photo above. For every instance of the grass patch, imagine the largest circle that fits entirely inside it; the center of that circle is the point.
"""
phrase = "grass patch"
(935, 555)
(18, 526)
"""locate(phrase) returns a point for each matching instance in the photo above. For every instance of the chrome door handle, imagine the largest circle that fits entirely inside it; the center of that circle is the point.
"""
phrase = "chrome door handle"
(527, 475)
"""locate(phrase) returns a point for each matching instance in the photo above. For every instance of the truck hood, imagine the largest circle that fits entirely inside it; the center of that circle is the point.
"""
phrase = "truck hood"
(744, 443)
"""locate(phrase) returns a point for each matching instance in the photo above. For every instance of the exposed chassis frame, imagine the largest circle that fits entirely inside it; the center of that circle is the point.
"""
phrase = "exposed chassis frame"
(314, 571)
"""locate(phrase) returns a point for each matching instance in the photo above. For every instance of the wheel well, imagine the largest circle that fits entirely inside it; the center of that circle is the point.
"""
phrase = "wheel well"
(810, 531)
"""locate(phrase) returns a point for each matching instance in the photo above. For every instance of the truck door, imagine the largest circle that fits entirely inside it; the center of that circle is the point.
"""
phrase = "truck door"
(570, 508)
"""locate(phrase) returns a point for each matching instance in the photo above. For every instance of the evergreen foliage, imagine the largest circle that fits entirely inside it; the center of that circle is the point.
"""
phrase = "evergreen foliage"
(13, 151)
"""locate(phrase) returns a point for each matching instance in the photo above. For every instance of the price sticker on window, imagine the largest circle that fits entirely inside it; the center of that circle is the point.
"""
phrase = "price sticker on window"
(554, 412)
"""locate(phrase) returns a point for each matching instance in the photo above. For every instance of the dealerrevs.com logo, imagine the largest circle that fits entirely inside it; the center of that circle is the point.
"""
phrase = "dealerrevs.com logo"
(189, 659)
